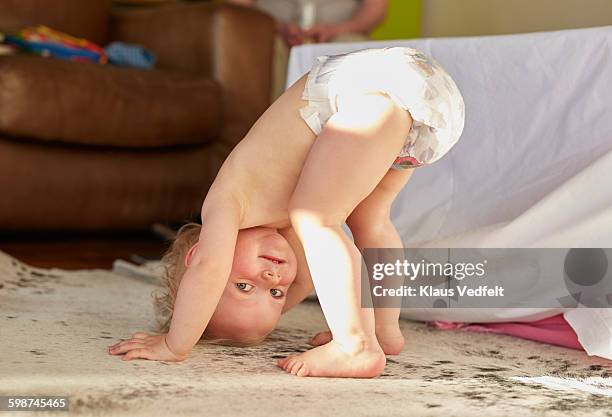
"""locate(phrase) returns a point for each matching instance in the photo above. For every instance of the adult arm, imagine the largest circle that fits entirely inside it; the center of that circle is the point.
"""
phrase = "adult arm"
(369, 15)
(241, 2)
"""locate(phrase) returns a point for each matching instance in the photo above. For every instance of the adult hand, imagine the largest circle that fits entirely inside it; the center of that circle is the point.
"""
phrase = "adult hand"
(145, 346)
(324, 32)
(291, 33)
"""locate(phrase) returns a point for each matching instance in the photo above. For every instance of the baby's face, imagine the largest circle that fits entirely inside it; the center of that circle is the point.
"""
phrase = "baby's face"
(263, 269)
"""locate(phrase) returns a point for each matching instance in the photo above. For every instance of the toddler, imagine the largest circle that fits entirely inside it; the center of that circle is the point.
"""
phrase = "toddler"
(336, 147)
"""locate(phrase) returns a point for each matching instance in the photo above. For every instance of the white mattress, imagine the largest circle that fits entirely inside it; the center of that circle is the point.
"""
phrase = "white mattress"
(534, 165)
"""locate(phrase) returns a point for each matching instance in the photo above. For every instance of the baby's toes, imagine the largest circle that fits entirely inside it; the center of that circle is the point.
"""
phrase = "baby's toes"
(303, 371)
(289, 364)
(295, 367)
(281, 362)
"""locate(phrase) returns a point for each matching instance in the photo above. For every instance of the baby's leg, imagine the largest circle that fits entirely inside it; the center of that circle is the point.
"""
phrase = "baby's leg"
(348, 159)
(371, 227)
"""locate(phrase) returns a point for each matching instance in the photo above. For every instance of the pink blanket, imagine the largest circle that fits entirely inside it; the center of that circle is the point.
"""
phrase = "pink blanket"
(553, 330)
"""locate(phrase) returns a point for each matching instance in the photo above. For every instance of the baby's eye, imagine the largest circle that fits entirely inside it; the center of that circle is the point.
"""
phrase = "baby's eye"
(243, 286)
(276, 293)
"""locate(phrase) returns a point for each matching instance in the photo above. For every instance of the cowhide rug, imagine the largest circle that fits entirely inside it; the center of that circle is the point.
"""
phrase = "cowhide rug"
(56, 324)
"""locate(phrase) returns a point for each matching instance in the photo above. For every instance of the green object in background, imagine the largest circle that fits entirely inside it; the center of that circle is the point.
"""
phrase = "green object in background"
(403, 21)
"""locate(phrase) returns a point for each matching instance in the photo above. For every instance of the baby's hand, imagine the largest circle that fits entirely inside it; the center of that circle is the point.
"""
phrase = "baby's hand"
(145, 346)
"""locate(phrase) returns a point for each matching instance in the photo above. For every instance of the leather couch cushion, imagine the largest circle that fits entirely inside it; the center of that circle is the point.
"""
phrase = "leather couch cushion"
(83, 18)
(49, 99)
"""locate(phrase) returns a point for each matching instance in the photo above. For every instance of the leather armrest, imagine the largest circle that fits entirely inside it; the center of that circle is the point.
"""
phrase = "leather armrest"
(232, 44)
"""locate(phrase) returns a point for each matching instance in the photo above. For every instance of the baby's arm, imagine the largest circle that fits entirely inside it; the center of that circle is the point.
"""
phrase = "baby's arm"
(206, 277)
(199, 291)
(302, 285)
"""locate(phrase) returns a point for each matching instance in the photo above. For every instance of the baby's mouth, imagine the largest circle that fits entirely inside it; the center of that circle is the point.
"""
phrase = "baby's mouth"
(273, 259)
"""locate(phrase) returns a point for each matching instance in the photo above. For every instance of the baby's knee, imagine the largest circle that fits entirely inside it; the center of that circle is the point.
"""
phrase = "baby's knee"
(370, 225)
(374, 212)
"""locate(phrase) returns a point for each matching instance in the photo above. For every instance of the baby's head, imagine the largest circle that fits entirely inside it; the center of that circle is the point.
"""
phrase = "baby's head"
(263, 269)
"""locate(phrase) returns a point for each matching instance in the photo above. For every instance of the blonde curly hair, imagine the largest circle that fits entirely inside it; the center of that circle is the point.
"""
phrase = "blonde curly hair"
(173, 264)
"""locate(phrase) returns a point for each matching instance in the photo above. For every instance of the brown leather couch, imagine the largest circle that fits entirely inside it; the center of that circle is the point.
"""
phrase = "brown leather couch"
(92, 147)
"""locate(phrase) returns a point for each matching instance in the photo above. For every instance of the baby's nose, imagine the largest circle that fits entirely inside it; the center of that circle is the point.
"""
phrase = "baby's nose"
(270, 275)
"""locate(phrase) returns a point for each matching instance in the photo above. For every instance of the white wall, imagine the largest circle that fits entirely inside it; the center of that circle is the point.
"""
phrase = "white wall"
(489, 17)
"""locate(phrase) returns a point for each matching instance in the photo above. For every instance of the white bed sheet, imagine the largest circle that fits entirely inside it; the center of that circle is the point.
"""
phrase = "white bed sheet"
(533, 167)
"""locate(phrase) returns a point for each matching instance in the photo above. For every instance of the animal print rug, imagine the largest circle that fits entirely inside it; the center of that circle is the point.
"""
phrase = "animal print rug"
(56, 325)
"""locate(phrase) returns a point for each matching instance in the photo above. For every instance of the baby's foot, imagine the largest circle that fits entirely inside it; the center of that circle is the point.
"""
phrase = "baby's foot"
(321, 338)
(390, 339)
(330, 360)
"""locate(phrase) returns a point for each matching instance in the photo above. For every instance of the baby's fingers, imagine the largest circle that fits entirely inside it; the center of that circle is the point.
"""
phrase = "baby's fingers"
(143, 353)
(135, 337)
(126, 346)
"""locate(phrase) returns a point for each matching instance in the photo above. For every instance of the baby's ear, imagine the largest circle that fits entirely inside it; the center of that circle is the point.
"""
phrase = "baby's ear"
(190, 254)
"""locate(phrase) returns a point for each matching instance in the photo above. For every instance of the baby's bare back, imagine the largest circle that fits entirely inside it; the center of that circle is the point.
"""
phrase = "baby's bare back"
(263, 169)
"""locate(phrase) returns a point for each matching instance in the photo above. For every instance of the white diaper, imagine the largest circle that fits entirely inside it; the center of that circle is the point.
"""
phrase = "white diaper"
(412, 80)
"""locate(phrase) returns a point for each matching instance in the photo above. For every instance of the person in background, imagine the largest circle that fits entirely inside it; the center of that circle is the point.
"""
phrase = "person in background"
(305, 21)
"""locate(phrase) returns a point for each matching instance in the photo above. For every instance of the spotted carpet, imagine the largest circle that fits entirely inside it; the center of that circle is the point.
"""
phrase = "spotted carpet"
(56, 324)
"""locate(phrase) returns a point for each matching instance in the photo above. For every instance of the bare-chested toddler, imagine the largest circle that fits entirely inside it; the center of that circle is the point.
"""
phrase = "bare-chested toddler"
(337, 147)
